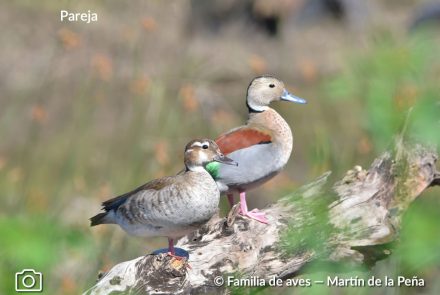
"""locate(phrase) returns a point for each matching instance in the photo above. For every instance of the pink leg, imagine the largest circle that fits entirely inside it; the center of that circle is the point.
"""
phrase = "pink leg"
(254, 214)
(171, 246)
(231, 200)
(172, 251)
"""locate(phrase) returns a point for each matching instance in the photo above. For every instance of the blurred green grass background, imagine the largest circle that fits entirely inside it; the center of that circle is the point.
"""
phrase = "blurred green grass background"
(90, 111)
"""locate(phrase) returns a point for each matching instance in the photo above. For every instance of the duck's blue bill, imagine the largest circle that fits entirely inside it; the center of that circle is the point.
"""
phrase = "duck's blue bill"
(290, 97)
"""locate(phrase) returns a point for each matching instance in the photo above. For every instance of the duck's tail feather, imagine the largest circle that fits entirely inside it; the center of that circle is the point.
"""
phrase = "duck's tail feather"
(102, 218)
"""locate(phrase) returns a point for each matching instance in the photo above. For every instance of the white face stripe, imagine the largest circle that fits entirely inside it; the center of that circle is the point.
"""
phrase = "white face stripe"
(200, 144)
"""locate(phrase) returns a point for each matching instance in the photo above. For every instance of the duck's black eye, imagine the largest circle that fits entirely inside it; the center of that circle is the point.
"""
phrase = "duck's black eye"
(272, 85)
(205, 146)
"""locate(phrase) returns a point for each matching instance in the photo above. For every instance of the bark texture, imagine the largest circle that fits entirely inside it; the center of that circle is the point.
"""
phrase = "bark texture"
(355, 220)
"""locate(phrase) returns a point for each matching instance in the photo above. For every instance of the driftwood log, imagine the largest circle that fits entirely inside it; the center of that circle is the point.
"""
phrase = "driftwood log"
(355, 221)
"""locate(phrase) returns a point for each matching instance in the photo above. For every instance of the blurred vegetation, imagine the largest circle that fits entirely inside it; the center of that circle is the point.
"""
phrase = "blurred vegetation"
(397, 86)
(396, 82)
(91, 111)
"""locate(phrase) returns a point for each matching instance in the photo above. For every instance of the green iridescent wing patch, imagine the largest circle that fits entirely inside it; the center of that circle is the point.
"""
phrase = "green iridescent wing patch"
(213, 169)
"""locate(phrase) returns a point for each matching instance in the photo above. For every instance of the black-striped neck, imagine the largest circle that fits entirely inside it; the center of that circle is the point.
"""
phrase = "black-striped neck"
(251, 110)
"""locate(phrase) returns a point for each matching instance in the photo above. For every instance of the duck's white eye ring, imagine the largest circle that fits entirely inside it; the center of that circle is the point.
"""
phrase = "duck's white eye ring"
(271, 85)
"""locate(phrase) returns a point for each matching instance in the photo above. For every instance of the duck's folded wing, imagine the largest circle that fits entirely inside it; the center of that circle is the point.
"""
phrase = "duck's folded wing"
(113, 204)
(241, 138)
(156, 185)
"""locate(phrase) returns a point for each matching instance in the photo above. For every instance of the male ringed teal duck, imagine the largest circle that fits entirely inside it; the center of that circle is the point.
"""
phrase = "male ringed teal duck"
(170, 206)
(262, 146)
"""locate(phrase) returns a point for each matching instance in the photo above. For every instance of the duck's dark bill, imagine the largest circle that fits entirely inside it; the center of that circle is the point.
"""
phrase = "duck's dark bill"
(226, 160)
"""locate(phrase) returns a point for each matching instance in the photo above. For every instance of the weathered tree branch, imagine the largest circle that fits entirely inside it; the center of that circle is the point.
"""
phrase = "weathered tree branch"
(354, 221)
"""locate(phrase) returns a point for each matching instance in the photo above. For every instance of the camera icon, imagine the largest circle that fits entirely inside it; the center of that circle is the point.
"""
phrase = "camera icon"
(28, 280)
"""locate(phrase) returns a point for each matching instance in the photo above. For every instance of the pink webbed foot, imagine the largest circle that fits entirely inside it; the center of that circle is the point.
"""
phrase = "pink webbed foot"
(172, 251)
(176, 256)
(253, 214)
(179, 261)
(258, 216)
